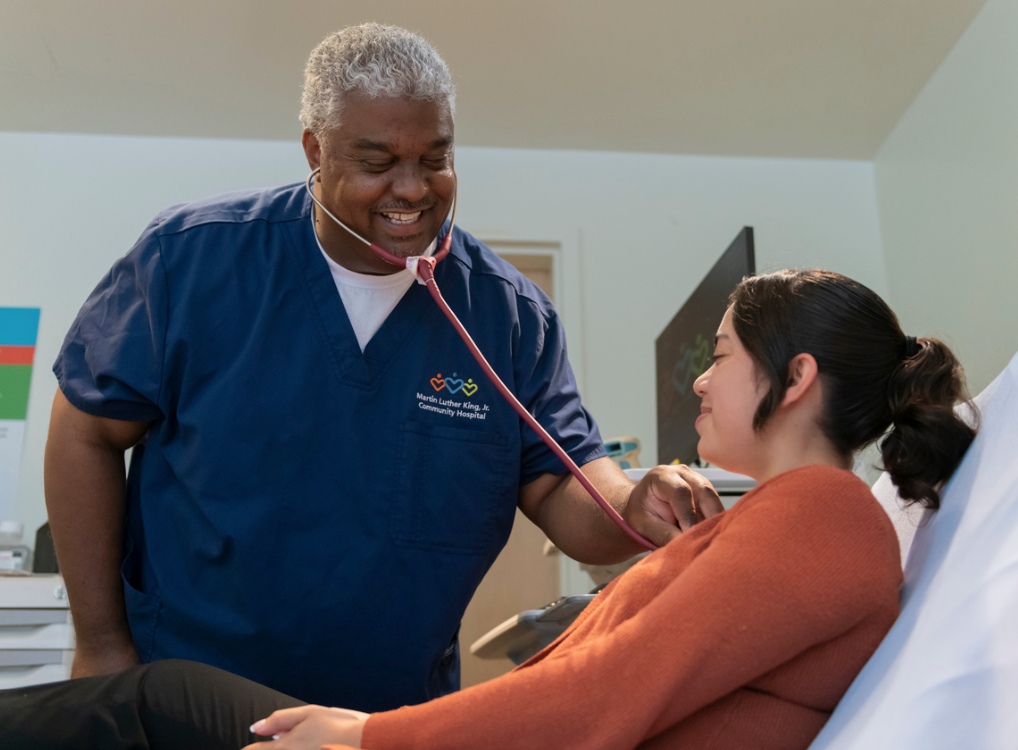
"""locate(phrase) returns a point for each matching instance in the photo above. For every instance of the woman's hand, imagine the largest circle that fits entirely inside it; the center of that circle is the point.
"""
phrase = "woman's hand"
(310, 727)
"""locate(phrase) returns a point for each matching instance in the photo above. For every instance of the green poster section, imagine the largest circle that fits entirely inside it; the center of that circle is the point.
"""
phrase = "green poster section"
(14, 382)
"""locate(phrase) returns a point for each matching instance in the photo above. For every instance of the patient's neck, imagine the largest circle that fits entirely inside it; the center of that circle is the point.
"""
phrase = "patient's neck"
(792, 440)
(805, 458)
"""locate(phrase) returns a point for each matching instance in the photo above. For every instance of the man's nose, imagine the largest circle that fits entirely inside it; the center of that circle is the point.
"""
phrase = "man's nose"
(410, 182)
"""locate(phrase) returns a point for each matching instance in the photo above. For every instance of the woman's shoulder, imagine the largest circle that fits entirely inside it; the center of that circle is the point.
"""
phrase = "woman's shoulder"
(811, 475)
(823, 506)
(812, 487)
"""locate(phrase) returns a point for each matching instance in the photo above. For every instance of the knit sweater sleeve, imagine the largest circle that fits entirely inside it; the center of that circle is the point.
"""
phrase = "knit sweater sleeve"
(797, 568)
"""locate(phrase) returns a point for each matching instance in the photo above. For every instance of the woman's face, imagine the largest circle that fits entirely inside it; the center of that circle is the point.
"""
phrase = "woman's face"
(730, 392)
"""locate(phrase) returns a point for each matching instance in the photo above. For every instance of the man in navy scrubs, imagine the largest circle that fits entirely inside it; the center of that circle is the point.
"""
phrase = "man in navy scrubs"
(321, 473)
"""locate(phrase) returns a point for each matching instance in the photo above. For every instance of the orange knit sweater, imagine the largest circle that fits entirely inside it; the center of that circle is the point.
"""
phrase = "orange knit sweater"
(743, 633)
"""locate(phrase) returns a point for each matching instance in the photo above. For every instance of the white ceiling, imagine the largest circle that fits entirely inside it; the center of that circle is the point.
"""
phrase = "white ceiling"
(784, 78)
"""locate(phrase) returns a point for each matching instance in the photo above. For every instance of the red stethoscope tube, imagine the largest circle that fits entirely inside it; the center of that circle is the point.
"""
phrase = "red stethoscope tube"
(424, 270)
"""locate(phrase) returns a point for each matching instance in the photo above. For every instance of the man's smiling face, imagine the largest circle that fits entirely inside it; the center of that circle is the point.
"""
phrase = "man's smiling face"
(387, 172)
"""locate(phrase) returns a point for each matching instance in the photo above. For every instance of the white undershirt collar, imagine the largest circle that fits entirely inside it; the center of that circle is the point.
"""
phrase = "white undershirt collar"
(368, 298)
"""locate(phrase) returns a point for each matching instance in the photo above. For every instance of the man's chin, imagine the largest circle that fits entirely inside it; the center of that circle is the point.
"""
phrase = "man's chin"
(405, 247)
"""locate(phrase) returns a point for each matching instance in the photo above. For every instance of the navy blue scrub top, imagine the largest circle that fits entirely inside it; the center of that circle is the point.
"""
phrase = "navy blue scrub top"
(301, 513)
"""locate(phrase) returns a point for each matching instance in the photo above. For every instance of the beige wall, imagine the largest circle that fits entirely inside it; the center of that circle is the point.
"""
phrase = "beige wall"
(947, 189)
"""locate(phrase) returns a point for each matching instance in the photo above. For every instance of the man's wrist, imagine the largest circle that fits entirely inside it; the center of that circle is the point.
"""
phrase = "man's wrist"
(101, 639)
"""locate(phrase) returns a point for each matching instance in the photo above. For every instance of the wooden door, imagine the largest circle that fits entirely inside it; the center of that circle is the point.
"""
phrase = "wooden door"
(523, 577)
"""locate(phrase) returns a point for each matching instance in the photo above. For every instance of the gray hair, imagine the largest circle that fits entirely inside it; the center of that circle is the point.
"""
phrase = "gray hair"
(377, 60)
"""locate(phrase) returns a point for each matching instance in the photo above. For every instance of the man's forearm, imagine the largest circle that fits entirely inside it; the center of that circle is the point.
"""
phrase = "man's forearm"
(575, 522)
(85, 497)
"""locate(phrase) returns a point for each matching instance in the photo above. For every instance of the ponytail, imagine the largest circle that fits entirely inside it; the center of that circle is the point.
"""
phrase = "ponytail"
(927, 439)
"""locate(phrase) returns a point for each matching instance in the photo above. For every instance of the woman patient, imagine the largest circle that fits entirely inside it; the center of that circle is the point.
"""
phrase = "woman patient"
(744, 632)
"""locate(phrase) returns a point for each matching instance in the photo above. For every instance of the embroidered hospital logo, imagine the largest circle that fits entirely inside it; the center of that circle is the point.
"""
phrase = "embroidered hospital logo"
(454, 385)
(448, 398)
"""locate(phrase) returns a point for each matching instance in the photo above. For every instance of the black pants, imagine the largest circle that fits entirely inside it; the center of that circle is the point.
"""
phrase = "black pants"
(167, 704)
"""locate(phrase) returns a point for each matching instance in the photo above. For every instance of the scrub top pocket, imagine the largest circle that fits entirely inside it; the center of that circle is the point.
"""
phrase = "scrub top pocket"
(142, 609)
(451, 489)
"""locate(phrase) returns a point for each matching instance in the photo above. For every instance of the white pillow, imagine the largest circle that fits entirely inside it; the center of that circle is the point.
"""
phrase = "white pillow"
(906, 518)
(946, 676)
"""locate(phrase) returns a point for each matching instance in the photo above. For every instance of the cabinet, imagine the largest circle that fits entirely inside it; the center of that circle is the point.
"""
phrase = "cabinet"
(36, 635)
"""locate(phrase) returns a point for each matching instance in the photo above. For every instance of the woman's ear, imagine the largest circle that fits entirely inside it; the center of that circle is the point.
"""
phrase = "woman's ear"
(802, 374)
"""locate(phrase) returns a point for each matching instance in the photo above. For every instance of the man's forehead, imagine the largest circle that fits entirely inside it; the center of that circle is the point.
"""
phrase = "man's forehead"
(383, 122)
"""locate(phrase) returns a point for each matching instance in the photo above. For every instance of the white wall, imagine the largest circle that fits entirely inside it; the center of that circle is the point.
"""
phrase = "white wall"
(947, 183)
(644, 229)
(72, 204)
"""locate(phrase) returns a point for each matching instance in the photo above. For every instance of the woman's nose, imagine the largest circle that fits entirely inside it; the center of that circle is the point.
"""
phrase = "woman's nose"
(700, 384)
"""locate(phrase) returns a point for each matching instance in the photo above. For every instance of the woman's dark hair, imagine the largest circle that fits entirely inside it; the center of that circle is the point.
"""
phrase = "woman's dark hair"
(873, 376)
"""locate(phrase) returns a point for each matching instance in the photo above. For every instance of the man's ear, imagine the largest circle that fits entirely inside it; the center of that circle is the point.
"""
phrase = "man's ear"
(312, 149)
(802, 374)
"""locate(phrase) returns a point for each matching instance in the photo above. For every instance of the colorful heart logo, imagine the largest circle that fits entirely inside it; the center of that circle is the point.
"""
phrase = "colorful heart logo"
(453, 384)
(437, 383)
(470, 389)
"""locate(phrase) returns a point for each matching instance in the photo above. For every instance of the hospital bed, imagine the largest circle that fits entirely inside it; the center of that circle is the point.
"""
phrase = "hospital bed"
(946, 675)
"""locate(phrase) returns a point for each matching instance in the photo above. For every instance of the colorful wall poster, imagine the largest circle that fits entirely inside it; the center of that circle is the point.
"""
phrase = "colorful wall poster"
(19, 327)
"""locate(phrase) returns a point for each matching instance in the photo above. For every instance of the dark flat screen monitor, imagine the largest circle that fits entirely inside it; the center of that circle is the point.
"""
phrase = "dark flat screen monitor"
(683, 350)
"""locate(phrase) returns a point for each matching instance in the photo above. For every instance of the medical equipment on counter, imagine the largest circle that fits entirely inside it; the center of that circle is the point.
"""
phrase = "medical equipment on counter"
(624, 451)
(523, 635)
(729, 485)
(423, 269)
(14, 554)
(44, 558)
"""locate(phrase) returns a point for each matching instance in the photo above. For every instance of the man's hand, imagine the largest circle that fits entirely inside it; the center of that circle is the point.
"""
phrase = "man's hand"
(91, 659)
(670, 500)
(659, 507)
(310, 727)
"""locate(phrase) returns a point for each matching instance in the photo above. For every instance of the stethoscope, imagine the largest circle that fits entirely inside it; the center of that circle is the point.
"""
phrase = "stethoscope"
(423, 269)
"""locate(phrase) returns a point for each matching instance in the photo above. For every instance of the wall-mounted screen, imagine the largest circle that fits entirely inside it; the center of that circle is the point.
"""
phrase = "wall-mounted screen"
(683, 350)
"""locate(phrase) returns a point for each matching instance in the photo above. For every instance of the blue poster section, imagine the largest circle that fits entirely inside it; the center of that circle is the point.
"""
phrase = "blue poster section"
(19, 326)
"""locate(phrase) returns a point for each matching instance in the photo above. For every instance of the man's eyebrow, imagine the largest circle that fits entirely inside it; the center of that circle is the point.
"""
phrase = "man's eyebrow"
(365, 144)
